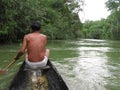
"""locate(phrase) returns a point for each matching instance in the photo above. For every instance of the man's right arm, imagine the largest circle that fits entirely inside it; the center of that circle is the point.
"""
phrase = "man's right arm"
(22, 50)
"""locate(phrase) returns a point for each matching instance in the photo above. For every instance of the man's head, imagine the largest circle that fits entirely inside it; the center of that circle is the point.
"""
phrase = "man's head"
(35, 26)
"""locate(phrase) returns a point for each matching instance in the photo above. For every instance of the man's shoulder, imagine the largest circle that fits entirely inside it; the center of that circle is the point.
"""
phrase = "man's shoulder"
(43, 35)
(31, 35)
(27, 35)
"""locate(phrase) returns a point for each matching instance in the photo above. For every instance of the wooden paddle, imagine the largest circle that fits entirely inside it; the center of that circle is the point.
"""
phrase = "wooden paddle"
(4, 71)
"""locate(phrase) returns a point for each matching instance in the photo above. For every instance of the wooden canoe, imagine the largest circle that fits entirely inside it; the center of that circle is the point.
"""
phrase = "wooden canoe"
(22, 79)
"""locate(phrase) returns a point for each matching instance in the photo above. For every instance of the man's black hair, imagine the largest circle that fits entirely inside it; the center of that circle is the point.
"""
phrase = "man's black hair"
(36, 26)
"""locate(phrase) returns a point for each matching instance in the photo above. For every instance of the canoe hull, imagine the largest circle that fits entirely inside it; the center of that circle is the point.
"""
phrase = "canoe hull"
(55, 81)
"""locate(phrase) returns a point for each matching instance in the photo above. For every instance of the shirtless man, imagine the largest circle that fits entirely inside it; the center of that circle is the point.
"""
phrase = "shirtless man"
(35, 44)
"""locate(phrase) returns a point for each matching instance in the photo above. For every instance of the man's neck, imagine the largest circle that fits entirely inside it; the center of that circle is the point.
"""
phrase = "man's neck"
(35, 31)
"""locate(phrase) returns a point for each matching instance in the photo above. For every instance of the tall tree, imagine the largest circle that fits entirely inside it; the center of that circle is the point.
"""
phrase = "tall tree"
(114, 7)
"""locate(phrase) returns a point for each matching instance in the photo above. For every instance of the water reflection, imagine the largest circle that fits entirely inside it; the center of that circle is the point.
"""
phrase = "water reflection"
(90, 68)
(87, 64)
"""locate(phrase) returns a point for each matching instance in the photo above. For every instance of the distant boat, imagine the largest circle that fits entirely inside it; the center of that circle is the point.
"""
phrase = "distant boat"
(49, 79)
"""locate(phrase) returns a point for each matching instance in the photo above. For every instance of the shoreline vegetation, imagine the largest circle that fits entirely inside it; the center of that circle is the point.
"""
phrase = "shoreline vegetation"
(56, 16)
(59, 19)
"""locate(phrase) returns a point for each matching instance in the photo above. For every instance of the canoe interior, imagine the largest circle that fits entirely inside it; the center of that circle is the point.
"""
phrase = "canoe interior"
(21, 79)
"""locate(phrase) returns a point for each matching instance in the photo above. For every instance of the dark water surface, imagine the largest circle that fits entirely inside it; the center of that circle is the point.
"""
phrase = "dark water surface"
(87, 64)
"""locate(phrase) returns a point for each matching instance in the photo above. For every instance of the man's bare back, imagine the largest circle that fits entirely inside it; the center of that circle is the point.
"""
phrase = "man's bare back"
(36, 43)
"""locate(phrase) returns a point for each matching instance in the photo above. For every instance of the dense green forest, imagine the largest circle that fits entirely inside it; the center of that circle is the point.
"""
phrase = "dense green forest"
(59, 18)
(105, 28)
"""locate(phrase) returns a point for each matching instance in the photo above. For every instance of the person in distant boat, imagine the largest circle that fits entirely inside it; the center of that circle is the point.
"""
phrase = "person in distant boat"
(35, 44)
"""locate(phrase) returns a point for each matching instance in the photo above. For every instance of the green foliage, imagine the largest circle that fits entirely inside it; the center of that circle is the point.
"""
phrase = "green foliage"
(96, 29)
(114, 18)
(113, 5)
(57, 19)
(105, 28)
